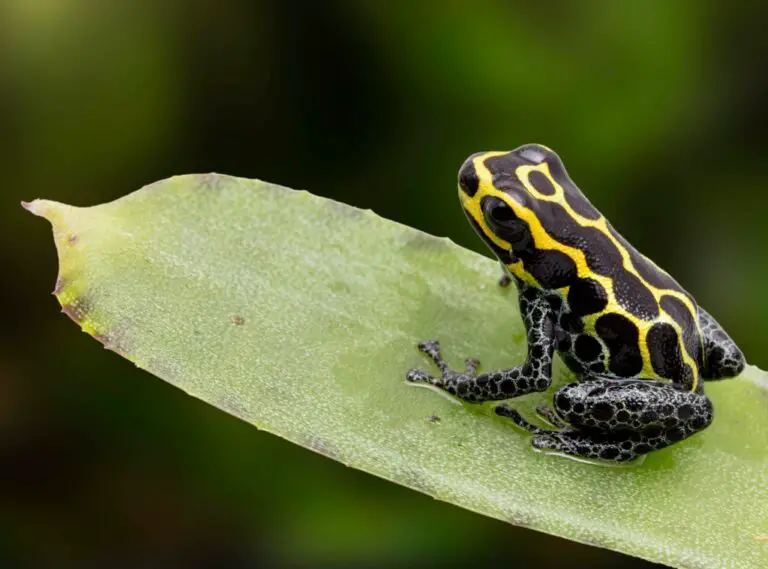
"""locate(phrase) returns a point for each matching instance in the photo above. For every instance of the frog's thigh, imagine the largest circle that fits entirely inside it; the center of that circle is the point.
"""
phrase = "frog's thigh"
(620, 419)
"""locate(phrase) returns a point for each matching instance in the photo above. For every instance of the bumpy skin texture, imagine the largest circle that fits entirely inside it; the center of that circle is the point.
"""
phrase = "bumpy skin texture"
(637, 340)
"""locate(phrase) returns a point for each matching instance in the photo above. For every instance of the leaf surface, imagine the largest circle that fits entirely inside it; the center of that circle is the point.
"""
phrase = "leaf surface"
(300, 315)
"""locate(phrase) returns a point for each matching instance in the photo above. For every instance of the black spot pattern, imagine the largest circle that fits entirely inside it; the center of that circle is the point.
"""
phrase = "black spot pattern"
(587, 348)
(571, 323)
(602, 258)
(587, 296)
(535, 374)
(621, 337)
(722, 357)
(541, 183)
(666, 355)
(618, 420)
(634, 296)
(551, 269)
(555, 302)
(680, 313)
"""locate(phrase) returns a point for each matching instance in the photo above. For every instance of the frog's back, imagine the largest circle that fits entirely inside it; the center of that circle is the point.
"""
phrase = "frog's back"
(620, 315)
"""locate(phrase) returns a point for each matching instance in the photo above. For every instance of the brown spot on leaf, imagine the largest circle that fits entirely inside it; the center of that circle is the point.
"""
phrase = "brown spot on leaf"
(72, 239)
(434, 419)
(238, 320)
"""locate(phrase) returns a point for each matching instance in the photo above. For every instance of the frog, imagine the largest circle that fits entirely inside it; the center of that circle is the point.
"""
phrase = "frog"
(637, 344)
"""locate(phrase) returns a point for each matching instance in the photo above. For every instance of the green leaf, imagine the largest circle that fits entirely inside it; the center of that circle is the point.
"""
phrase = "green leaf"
(300, 315)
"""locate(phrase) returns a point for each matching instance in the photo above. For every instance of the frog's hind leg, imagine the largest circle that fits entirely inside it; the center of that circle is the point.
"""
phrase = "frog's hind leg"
(620, 420)
(571, 441)
(722, 357)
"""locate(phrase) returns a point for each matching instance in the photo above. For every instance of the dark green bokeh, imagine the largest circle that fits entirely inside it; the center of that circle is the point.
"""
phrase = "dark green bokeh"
(655, 107)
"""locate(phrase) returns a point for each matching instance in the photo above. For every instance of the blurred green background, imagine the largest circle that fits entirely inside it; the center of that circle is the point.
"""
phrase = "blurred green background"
(655, 107)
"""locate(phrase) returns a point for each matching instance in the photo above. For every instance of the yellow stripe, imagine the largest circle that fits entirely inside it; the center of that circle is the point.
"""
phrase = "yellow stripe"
(544, 241)
(523, 172)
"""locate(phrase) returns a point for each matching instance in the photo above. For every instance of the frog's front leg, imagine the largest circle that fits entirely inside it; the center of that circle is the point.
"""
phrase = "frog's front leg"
(618, 420)
(535, 374)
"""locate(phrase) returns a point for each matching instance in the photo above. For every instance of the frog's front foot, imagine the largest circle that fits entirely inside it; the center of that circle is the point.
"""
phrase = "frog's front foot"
(449, 379)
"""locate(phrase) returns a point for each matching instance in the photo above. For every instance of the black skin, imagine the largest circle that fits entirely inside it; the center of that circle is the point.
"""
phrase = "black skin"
(598, 417)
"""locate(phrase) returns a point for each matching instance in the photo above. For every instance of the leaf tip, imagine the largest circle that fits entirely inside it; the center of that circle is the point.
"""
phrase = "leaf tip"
(53, 211)
(31, 207)
(42, 208)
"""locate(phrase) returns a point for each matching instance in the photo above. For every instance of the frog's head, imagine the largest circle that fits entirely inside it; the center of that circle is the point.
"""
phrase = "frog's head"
(497, 202)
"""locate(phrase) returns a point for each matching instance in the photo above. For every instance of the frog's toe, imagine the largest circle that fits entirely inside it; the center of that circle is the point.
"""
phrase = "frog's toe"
(546, 442)
(429, 347)
(422, 377)
(417, 376)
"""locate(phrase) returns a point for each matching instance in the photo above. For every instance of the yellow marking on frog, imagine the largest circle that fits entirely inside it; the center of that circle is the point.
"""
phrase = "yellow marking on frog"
(523, 173)
(544, 241)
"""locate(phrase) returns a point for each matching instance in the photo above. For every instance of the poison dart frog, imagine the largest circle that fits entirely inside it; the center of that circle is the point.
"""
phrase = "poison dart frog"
(639, 344)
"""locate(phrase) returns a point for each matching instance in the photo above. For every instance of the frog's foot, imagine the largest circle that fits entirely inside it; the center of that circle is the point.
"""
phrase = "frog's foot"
(568, 441)
(432, 349)
(454, 382)
(583, 445)
(491, 386)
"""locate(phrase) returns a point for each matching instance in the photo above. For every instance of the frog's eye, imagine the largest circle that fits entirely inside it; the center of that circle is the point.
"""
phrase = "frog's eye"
(502, 213)
(498, 213)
